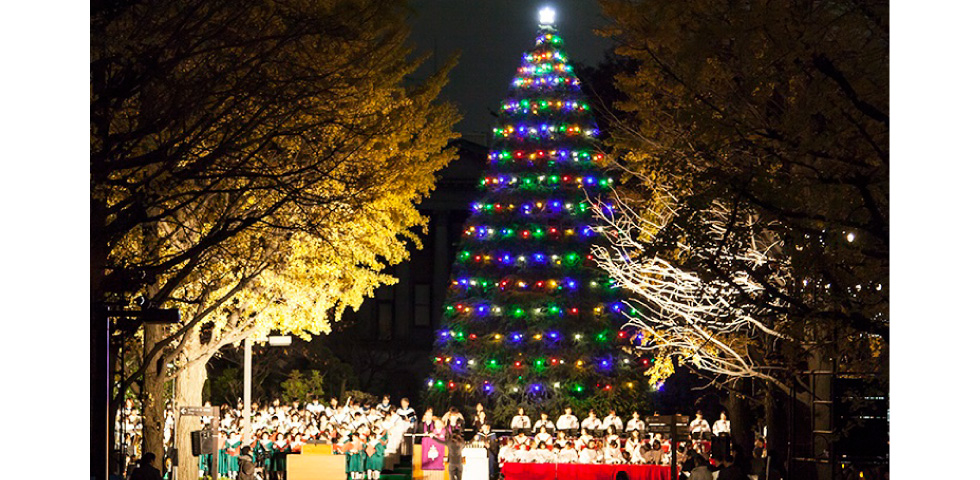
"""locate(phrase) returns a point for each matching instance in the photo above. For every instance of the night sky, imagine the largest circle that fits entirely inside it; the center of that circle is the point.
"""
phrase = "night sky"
(491, 35)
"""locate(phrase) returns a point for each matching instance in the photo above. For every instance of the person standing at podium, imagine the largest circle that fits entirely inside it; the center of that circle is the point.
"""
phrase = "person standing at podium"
(544, 422)
(636, 424)
(722, 431)
(592, 423)
(489, 440)
(699, 427)
(568, 422)
(520, 421)
(433, 448)
(612, 421)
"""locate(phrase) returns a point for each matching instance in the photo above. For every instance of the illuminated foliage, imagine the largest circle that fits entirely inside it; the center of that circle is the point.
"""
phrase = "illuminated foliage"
(255, 164)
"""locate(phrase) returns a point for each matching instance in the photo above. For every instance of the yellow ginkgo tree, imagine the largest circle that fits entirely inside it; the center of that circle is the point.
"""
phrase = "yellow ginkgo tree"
(255, 165)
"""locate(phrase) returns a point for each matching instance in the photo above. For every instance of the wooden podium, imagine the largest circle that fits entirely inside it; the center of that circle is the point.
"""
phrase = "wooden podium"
(316, 462)
(417, 462)
(417, 473)
(476, 463)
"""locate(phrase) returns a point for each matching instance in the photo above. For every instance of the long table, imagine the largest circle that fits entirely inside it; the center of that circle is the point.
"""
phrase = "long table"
(577, 471)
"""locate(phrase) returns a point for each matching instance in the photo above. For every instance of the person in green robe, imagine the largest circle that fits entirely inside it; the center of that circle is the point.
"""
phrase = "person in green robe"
(348, 450)
(233, 445)
(263, 452)
(223, 454)
(356, 455)
(204, 464)
(375, 453)
(279, 449)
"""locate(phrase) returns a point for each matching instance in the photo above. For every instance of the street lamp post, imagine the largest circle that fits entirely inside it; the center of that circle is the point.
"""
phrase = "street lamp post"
(247, 434)
(275, 341)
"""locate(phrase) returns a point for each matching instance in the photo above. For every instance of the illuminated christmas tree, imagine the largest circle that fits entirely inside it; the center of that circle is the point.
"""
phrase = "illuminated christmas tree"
(529, 319)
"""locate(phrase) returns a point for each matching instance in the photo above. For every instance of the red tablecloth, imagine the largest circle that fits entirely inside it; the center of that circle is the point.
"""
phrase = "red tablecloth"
(575, 471)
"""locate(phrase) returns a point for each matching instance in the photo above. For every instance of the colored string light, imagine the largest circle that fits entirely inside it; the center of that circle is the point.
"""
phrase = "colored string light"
(542, 131)
(524, 260)
(525, 182)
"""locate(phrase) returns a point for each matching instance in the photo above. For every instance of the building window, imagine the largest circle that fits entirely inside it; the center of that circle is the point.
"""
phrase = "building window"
(386, 311)
(423, 304)
(385, 321)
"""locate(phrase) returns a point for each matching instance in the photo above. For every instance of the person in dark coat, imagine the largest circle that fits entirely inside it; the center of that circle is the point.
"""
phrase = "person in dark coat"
(454, 456)
(146, 470)
(700, 469)
(246, 468)
(758, 464)
(730, 471)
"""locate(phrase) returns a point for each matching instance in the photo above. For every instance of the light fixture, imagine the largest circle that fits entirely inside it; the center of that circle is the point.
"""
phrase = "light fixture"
(546, 16)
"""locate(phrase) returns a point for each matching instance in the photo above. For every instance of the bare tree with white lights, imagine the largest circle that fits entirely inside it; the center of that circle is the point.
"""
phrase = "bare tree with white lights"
(711, 322)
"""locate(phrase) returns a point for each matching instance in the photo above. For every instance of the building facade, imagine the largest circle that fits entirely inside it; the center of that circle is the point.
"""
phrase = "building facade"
(389, 339)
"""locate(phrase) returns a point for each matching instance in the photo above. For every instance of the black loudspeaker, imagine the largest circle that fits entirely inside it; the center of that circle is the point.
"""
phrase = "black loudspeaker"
(201, 443)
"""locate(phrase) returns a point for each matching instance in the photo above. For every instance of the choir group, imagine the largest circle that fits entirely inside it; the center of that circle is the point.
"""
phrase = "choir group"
(373, 437)
(606, 440)
(370, 436)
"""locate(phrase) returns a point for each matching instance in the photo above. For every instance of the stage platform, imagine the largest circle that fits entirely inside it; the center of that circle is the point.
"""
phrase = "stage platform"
(575, 471)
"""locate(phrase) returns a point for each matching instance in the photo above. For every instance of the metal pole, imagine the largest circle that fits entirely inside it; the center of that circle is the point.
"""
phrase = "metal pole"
(107, 440)
(674, 442)
(247, 411)
(123, 421)
(215, 412)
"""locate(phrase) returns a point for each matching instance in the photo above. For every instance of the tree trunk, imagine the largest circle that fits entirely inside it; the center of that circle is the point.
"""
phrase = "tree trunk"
(99, 416)
(775, 432)
(154, 386)
(739, 415)
(187, 390)
(822, 420)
